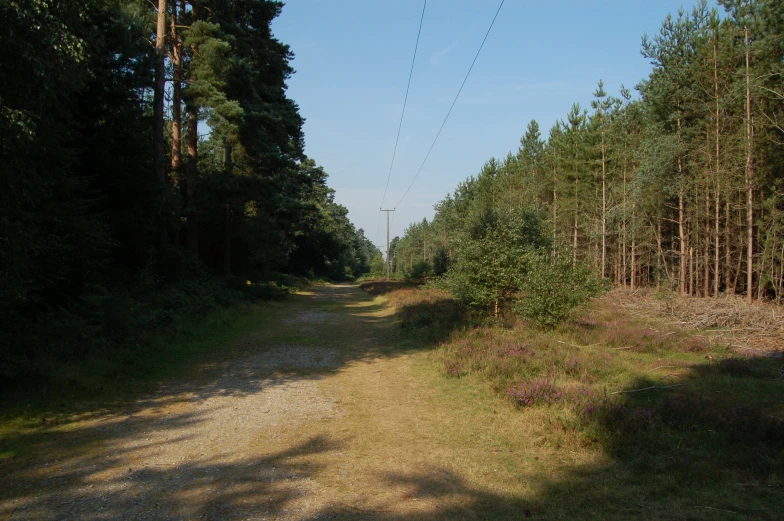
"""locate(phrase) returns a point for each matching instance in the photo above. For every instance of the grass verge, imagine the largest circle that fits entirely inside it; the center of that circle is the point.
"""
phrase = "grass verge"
(106, 381)
(666, 422)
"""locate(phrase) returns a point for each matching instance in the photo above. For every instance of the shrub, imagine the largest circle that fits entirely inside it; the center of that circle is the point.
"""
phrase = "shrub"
(419, 272)
(554, 287)
(535, 392)
(491, 260)
(378, 268)
(440, 261)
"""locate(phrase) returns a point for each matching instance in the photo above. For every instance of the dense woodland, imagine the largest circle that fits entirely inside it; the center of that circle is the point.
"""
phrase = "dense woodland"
(151, 166)
(681, 187)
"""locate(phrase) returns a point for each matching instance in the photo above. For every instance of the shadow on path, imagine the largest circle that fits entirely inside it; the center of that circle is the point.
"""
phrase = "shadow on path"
(213, 448)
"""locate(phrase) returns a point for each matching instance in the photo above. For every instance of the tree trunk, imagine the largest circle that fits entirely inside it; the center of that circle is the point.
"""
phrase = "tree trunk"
(781, 278)
(681, 220)
(228, 164)
(576, 209)
(158, 93)
(191, 223)
(706, 265)
(717, 197)
(227, 240)
(604, 210)
(623, 228)
(706, 255)
(158, 116)
(555, 199)
(749, 179)
(727, 248)
(634, 248)
(176, 150)
(691, 272)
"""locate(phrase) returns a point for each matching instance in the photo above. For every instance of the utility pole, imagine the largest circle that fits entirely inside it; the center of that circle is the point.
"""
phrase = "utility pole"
(389, 265)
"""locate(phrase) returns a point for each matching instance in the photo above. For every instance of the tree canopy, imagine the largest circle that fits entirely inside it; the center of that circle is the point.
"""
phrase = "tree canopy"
(154, 143)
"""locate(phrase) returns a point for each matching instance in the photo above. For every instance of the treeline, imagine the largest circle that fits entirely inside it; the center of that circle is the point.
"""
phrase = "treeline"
(145, 150)
(681, 188)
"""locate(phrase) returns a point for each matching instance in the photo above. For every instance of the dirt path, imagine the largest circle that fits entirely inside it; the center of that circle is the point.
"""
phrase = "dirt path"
(323, 416)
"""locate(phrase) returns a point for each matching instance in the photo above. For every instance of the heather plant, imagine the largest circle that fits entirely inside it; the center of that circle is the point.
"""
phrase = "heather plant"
(535, 392)
(659, 399)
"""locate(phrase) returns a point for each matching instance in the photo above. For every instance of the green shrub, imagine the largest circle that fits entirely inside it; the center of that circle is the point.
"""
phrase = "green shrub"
(107, 321)
(440, 261)
(554, 287)
(378, 267)
(419, 272)
(491, 260)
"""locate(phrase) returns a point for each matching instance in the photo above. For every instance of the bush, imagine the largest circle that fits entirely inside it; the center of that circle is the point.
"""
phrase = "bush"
(106, 321)
(378, 268)
(440, 261)
(554, 287)
(491, 260)
(419, 272)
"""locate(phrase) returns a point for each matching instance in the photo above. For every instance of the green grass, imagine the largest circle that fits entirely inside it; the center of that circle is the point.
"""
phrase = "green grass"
(704, 440)
(106, 381)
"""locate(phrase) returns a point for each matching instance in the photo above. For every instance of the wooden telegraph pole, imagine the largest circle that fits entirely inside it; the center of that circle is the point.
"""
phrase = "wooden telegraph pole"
(389, 265)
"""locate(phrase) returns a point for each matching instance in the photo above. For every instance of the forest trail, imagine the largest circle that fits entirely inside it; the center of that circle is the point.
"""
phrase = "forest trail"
(324, 414)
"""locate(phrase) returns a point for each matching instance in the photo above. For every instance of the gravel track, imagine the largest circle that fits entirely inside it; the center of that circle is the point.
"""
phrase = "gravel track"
(198, 450)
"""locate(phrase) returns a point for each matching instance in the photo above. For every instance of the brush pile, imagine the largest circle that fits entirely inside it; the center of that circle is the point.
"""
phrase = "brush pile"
(730, 319)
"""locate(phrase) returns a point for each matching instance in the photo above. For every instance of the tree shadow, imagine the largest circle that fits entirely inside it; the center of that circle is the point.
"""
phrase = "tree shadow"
(429, 315)
(114, 461)
(92, 486)
(710, 448)
(709, 445)
(436, 494)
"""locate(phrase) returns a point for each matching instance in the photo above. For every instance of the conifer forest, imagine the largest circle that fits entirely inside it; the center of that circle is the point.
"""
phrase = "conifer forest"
(674, 183)
(151, 167)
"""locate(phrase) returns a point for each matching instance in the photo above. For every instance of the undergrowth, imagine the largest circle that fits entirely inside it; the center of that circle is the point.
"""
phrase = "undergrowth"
(662, 401)
(108, 331)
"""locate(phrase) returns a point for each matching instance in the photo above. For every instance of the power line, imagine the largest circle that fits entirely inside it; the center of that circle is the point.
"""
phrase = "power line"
(402, 113)
(405, 101)
(453, 104)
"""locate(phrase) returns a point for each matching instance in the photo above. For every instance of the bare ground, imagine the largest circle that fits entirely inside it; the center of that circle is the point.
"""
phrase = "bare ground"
(322, 416)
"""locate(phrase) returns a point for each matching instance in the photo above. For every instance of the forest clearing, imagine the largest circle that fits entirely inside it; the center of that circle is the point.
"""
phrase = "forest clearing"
(341, 405)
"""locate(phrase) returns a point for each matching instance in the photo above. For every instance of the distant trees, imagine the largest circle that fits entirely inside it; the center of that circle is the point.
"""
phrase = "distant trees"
(679, 188)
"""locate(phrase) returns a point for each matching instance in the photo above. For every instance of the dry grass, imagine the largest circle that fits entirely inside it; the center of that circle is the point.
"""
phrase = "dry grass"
(729, 320)
(635, 411)
(408, 440)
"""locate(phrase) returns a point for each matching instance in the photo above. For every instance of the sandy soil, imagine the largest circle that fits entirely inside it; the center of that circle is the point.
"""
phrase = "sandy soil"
(321, 417)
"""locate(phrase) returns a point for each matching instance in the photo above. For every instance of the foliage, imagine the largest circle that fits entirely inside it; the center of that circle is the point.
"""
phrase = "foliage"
(441, 261)
(554, 287)
(95, 246)
(419, 272)
(676, 185)
(491, 260)
(576, 378)
(378, 267)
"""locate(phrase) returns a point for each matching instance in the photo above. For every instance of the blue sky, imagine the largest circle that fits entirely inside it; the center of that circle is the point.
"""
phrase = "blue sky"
(353, 59)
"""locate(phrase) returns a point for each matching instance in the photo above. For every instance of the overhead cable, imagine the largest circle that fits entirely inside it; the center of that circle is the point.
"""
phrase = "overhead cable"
(453, 104)
(402, 113)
